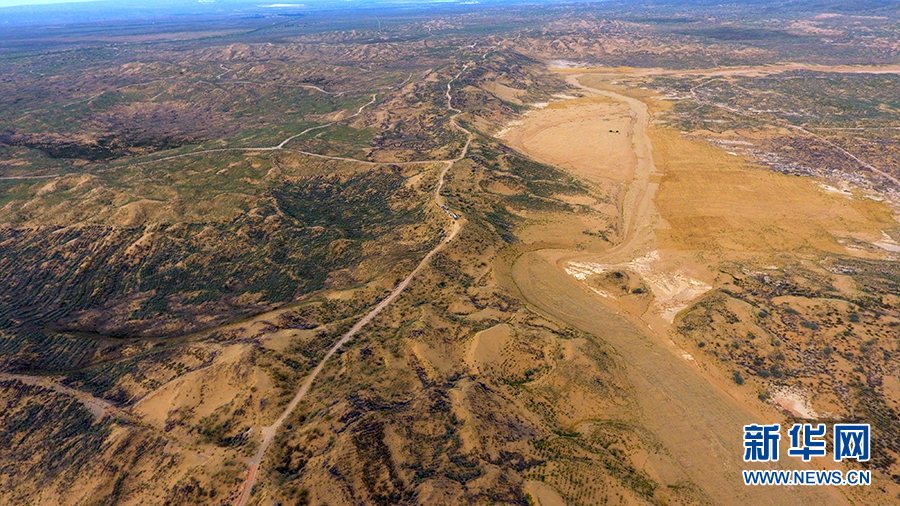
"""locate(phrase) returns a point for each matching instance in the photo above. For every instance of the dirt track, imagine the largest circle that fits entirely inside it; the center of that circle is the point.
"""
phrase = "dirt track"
(97, 406)
(269, 432)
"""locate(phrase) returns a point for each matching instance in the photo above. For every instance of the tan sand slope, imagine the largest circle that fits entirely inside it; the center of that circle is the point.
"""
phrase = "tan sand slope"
(699, 424)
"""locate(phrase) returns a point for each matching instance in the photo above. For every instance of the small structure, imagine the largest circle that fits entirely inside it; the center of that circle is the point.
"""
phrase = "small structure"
(449, 213)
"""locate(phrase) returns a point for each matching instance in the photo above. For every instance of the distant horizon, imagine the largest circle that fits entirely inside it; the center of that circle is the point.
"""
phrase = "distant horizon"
(260, 3)
(26, 3)
(231, 3)
(22, 3)
(24, 13)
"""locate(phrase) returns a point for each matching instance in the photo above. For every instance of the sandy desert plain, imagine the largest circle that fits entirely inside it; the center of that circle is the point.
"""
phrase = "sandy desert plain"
(686, 209)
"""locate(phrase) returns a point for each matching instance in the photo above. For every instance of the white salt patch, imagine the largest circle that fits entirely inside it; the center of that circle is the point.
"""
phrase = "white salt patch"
(888, 243)
(794, 400)
(832, 189)
(673, 291)
(508, 127)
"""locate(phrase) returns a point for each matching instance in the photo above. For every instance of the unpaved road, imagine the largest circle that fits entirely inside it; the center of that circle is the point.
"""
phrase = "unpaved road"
(279, 146)
(269, 432)
(97, 406)
(14, 178)
(699, 424)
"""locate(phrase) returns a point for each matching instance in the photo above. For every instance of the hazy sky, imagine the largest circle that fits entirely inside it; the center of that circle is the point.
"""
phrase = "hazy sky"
(10, 3)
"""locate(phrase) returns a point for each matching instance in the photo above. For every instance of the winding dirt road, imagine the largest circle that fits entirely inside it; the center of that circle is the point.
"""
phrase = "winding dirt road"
(279, 146)
(97, 406)
(269, 432)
